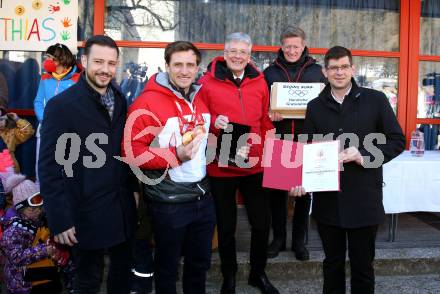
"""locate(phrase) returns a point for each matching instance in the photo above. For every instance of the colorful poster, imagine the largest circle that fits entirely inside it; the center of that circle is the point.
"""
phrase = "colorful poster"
(34, 25)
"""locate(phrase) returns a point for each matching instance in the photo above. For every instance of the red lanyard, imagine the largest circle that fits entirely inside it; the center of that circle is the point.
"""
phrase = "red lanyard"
(188, 125)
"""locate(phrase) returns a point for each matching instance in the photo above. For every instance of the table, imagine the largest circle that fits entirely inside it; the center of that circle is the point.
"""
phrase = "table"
(411, 184)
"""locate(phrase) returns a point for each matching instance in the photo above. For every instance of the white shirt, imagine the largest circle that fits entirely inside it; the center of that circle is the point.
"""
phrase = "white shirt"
(241, 76)
(336, 99)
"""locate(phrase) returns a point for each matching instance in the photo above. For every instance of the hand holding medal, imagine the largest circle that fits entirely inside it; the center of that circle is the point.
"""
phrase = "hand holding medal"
(191, 134)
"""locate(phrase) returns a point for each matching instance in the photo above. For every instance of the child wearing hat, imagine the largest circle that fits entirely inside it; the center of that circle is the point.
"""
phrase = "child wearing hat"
(13, 131)
(31, 260)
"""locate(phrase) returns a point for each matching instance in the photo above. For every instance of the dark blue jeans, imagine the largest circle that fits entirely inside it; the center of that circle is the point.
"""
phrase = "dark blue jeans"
(184, 229)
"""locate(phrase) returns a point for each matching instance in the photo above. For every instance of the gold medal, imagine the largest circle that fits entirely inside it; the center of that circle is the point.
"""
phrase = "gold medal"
(187, 138)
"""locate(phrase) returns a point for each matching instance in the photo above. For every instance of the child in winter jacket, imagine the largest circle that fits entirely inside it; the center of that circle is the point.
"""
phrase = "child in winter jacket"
(30, 258)
(13, 131)
(61, 72)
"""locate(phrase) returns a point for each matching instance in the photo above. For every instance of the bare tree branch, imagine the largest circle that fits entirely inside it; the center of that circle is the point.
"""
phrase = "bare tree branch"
(164, 24)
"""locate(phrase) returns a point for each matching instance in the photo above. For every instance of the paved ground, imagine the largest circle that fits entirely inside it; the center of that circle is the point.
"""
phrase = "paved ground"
(425, 284)
(414, 230)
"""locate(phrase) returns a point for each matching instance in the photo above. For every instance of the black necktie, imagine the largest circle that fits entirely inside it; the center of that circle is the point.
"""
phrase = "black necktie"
(238, 81)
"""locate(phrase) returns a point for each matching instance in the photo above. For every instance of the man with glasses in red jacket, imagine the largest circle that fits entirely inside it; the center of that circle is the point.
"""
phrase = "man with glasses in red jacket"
(236, 92)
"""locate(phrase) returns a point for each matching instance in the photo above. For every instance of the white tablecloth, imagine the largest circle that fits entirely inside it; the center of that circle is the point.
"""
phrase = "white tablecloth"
(412, 183)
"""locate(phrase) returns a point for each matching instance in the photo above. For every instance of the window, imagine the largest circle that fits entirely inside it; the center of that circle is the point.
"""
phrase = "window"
(431, 134)
(85, 19)
(428, 105)
(369, 25)
(20, 77)
(430, 27)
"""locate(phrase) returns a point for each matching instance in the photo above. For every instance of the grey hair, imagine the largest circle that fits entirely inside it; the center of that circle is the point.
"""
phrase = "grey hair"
(292, 31)
(238, 37)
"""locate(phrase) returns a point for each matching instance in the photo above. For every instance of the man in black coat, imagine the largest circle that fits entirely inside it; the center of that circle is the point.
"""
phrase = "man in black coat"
(293, 64)
(88, 193)
(351, 216)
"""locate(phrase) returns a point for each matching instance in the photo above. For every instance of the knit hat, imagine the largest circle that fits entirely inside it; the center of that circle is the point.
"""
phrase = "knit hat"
(21, 188)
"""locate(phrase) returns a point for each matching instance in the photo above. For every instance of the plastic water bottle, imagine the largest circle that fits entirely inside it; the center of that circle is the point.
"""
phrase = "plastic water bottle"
(417, 145)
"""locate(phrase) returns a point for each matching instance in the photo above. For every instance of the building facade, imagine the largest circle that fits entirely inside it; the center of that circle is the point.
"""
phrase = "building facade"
(396, 43)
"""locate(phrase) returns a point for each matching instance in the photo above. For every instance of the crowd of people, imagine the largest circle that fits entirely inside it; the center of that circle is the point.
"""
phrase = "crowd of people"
(147, 185)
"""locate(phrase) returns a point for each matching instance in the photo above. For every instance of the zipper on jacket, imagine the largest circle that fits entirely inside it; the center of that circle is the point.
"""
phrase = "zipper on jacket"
(57, 88)
(56, 92)
(284, 70)
(240, 97)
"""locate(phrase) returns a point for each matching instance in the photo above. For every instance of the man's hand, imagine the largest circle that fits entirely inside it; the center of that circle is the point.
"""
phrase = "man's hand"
(221, 122)
(66, 237)
(137, 196)
(187, 152)
(275, 116)
(297, 191)
(351, 154)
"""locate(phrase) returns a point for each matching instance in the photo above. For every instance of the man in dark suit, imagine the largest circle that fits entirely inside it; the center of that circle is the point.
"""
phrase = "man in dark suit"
(293, 65)
(349, 218)
(88, 193)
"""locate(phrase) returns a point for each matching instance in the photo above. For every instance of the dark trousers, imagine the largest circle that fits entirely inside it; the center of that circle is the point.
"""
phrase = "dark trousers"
(184, 229)
(256, 202)
(278, 206)
(361, 252)
(143, 271)
(89, 266)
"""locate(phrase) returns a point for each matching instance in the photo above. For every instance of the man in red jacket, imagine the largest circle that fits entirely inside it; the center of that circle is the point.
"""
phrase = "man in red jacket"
(236, 92)
(169, 124)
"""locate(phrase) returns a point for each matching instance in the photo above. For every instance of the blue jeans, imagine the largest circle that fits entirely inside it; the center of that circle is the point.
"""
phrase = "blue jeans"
(183, 229)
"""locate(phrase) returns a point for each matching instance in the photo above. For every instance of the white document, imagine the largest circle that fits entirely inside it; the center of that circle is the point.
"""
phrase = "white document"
(321, 167)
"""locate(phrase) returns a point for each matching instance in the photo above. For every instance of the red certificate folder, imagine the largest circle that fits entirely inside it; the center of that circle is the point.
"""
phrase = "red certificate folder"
(282, 164)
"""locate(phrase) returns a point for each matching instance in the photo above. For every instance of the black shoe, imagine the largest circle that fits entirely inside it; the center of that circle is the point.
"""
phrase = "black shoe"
(262, 282)
(301, 252)
(275, 247)
(228, 286)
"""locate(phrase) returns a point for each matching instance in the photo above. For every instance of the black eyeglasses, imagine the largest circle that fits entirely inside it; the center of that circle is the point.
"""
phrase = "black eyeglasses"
(335, 68)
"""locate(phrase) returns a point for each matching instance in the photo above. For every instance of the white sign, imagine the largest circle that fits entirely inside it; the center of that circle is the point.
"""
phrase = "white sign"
(296, 95)
(34, 25)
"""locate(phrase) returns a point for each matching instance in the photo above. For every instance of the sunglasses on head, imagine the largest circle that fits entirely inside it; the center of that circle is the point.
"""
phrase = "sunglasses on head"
(32, 201)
